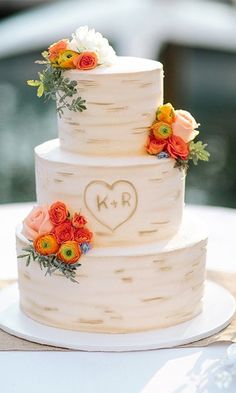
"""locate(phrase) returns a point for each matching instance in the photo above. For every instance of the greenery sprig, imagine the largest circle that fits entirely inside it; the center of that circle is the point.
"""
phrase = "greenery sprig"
(53, 85)
(50, 263)
(197, 152)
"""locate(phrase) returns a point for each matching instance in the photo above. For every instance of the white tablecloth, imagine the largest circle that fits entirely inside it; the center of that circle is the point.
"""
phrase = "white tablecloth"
(187, 370)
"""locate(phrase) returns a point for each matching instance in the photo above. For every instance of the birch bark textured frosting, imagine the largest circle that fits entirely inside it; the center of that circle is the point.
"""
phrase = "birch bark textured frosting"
(121, 104)
(122, 290)
(147, 266)
(131, 200)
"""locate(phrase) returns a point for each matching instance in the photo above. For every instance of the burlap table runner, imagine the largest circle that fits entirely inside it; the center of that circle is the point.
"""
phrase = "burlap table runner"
(227, 280)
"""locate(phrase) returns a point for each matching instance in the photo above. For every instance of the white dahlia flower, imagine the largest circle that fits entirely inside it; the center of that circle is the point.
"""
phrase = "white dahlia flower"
(85, 39)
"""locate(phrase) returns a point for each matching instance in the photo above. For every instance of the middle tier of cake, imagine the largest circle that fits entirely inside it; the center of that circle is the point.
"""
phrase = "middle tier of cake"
(127, 201)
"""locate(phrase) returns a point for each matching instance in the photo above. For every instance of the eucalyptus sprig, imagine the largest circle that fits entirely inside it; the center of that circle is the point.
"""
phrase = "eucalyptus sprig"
(50, 263)
(53, 85)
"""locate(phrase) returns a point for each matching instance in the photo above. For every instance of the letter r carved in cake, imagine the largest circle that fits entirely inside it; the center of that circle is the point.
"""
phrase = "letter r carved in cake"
(111, 204)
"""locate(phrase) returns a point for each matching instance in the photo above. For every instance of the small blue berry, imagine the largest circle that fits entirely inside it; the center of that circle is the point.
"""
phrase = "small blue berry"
(162, 154)
(85, 247)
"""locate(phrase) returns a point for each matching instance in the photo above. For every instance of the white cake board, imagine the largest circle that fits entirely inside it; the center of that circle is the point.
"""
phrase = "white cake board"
(218, 311)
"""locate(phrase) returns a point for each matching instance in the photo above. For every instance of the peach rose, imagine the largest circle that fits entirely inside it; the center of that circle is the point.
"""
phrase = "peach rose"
(86, 61)
(37, 223)
(155, 146)
(177, 148)
(58, 213)
(54, 50)
(64, 232)
(184, 125)
(78, 221)
(46, 244)
(82, 235)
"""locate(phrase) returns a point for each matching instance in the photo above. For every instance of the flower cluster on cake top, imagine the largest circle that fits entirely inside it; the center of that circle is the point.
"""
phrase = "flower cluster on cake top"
(172, 135)
(57, 238)
(86, 50)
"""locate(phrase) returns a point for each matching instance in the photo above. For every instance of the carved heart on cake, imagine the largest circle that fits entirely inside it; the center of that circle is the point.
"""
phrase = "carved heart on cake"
(111, 204)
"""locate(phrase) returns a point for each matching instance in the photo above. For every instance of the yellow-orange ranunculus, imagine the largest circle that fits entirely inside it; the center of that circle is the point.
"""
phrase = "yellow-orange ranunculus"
(161, 130)
(54, 50)
(166, 113)
(69, 252)
(65, 60)
(46, 244)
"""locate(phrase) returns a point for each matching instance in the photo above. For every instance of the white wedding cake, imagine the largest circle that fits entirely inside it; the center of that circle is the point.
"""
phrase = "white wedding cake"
(146, 267)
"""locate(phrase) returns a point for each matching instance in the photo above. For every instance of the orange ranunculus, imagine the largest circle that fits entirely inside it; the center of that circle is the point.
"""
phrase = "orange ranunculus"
(82, 235)
(78, 221)
(69, 252)
(46, 244)
(161, 130)
(54, 50)
(155, 146)
(65, 59)
(58, 213)
(177, 148)
(166, 113)
(64, 232)
(86, 61)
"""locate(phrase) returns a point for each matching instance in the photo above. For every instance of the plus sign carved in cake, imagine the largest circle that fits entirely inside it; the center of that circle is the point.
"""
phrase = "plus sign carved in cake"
(108, 248)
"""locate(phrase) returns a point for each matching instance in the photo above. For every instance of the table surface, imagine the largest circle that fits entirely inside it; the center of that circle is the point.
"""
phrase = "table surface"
(185, 370)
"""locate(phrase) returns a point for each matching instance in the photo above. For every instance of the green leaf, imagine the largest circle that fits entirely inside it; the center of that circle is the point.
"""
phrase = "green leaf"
(52, 85)
(198, 152)
(32, 82)
(50, 263)
(40, 90)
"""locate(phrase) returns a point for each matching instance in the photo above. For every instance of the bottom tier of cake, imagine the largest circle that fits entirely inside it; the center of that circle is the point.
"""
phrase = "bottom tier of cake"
(121, 290)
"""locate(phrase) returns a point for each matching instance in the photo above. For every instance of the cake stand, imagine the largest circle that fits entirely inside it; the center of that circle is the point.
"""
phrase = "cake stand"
(218, 311)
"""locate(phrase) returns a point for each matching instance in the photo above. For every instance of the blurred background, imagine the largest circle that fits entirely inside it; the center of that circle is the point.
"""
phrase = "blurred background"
(196, 42)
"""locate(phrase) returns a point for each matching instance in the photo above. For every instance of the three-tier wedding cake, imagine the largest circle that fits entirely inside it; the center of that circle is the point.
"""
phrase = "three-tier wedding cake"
(108, 248)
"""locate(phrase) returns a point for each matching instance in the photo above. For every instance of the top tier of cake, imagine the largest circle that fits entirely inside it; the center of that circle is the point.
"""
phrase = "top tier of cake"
(121, 101)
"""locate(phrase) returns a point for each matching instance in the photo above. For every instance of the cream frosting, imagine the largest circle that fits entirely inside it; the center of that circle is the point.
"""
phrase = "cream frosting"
(131, 200)
(121, 290)
(147, 268)
(121, 102)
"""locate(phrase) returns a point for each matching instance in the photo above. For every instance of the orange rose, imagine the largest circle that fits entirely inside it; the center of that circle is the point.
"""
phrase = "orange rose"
(177, 148)
(86, 61)
(82, 235)
(64, 232)
(155, 146)
(46, 244)
(57, 48)
(78, 221)
(58, 213)
(69, 252)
